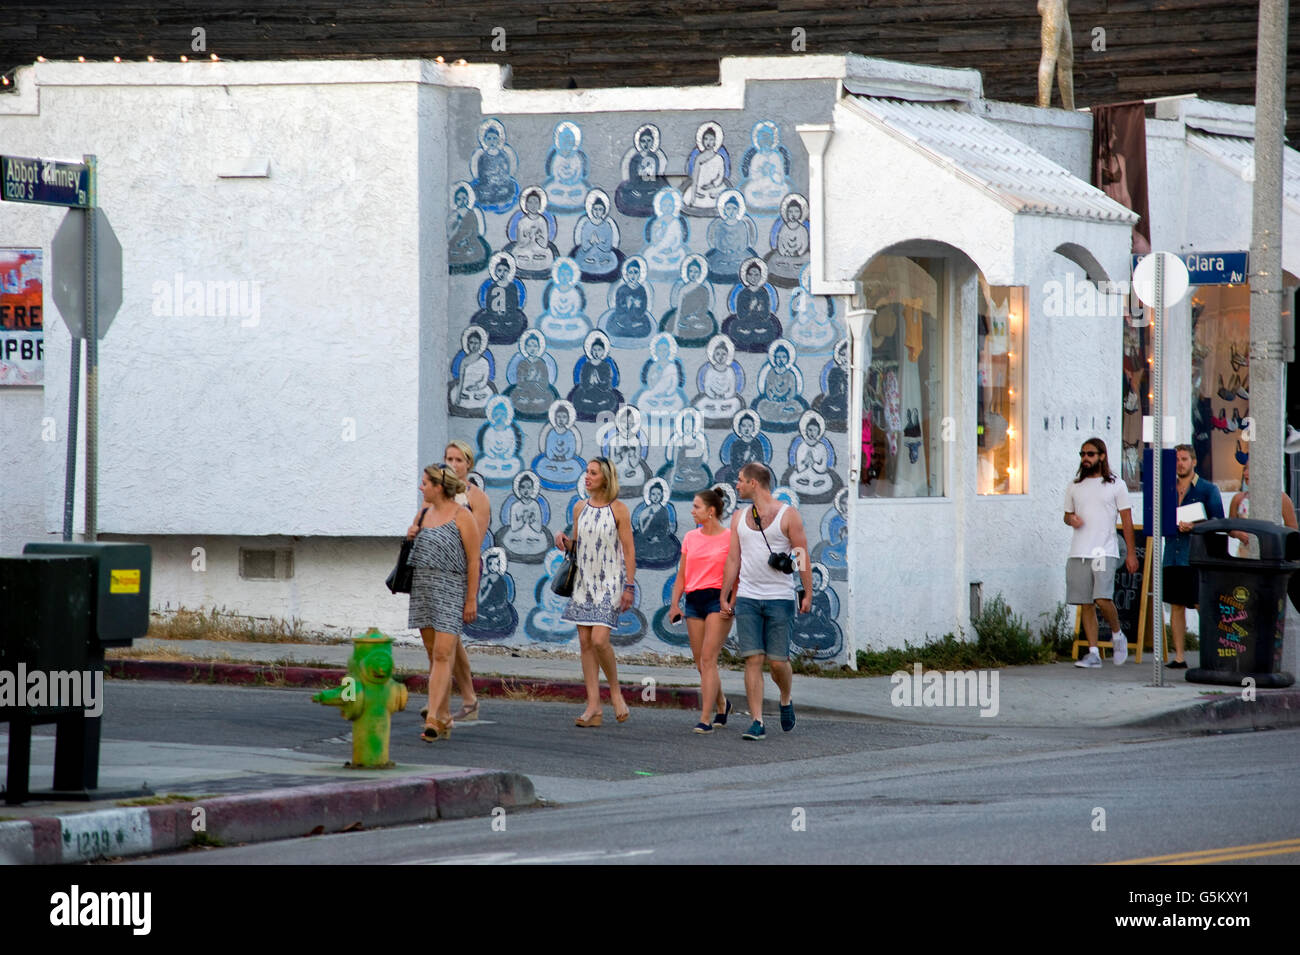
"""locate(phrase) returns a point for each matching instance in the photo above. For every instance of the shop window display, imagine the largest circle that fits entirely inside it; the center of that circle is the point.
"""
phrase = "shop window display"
(999, 346)
(1220, 380)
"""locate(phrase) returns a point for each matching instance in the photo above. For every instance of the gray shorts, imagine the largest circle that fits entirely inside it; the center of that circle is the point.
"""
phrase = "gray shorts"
(1090, 578)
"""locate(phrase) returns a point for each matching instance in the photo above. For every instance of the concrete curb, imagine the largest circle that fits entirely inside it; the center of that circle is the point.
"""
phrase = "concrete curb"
(262, 816)
(1270, 709)
(262, 674)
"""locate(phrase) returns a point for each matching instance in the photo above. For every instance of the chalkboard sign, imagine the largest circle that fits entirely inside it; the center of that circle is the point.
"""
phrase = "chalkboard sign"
(1128, 591)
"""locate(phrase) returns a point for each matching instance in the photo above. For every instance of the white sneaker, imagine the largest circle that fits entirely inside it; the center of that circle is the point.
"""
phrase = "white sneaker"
(1120, 644)
(1090, 661)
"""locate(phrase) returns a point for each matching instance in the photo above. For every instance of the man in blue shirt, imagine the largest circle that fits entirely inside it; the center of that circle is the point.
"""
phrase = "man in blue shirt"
(1181, 582)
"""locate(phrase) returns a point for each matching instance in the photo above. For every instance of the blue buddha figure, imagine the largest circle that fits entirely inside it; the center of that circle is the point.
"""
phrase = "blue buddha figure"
(559, 466)
(673, 634)
(497, 618)
(595, 380)
(627, 321)
(654, 528)
(833, 550)
(472, 373)
(746, 443)
(666, 236)
(833, 402)
(720, 381)
(765, 169)
(531, 377)
(812, 473)
(596, 239)
(752, 325)
(467, 250)
(787, 495)
(579, 495)
(501, 302)
(813, 327)
(645, 172)
(690, 320)
(731, 238)
(564, 317)
(780, 385)
(524, 515)
(687, 451)
(499, 441)
(531, 231)
(626, 445)
(493, 167)
(631, 622)
(708, 168)
(819, 632)
(663, 378)
(790, 242)
(566, 169)
(545, 622)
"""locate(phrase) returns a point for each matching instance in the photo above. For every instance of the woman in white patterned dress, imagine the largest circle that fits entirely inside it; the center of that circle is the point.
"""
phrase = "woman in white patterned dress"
(604, 585)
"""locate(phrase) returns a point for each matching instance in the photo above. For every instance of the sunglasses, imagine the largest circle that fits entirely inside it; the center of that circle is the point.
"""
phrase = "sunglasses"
(1089, 454)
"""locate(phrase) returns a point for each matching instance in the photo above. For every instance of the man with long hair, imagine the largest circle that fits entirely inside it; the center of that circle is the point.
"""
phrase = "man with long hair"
(1094, 503)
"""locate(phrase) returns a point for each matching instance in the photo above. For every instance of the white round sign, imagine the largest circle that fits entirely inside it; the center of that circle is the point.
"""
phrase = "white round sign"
(1176, 279)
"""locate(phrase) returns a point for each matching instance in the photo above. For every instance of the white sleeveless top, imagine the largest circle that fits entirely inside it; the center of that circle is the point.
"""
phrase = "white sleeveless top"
(757, 580)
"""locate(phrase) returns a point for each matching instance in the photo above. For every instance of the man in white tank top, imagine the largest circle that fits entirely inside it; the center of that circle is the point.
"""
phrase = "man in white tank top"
(762, 597)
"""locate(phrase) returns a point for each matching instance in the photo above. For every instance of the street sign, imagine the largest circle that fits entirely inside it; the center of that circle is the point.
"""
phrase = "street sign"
(69, 272)
(1212, 268)
(47, 182)
(1175, 279)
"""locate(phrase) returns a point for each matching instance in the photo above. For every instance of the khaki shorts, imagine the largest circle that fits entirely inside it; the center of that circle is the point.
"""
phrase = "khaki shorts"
(1090, 578)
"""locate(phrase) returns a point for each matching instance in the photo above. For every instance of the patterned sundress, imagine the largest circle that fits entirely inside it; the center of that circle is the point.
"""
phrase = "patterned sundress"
(598, 589)
(438, 582)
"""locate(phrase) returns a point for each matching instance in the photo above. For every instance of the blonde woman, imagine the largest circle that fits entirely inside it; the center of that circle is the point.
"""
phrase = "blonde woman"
(444, 586)
(604, 585)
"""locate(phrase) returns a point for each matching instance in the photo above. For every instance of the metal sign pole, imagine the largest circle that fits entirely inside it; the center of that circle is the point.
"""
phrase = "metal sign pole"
(70, 472)
(92, 352)
(1154, 539)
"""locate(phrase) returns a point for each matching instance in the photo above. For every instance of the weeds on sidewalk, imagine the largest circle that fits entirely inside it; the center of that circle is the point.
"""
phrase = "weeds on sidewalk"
(214, 624)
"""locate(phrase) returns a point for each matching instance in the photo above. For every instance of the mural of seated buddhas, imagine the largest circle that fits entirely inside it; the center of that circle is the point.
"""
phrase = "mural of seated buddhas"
(720, 381)
(531, 231)
(728, 495)
(666, 236)
(631, 622)
(493, 166)
(472, 373)
(833, 402)
(731, 239)
(765, 169)
(812, 473)
(780, 383)
(531, 377)
(654, 528)
(501, 302)
(790, 242)
(579, 495)
(746, 443)
(817, 632)
(476, 479)
(786, 495)
(564, 318)
(499, 441)
(663, 378)
(833, 550)
(559, 466)
(467, 250)
(708, 168)
(690, 320)
(545, 622)
(626, 444)
(566, 169)
(523, 533)
(687, 451)
(627, 321)
(673, 634)
(595, 379)
(497, 618)
(813, 327)
(596, 239)
(752, 325)
(645, 172)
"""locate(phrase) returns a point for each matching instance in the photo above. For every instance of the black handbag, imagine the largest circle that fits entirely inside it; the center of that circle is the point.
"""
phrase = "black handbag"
(399, 581)
(564, 579)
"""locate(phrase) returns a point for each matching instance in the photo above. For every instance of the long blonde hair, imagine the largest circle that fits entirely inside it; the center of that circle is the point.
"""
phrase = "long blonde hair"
(445, 477)
(610, 490)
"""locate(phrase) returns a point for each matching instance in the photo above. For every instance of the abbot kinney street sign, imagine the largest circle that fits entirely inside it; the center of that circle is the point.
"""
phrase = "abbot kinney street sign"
(45, 181)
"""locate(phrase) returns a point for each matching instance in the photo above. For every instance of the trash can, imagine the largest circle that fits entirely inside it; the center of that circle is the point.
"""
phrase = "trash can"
(1243, 602)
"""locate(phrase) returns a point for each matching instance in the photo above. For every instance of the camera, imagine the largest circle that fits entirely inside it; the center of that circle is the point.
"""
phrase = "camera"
(781, 563)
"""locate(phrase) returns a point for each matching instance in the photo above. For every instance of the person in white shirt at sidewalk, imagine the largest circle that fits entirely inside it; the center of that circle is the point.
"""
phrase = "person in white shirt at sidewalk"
(1094, 503)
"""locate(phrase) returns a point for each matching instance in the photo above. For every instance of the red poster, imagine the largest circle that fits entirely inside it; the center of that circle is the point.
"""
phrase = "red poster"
(22, 335)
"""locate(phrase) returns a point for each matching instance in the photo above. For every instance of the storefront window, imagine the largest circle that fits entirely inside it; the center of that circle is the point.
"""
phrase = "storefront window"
(1135, 395)
(902, 388)
(1001, 356)
(1220, 381)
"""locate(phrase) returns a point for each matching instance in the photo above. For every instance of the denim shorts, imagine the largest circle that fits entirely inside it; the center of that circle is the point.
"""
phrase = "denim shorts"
(763, 626)
(701, 603)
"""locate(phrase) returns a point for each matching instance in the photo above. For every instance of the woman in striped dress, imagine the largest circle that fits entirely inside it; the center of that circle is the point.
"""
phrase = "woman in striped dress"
(444, 586)
(604, 585)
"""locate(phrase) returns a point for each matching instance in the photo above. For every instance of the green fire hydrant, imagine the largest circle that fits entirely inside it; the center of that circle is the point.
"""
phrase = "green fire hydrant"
(368, 697)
